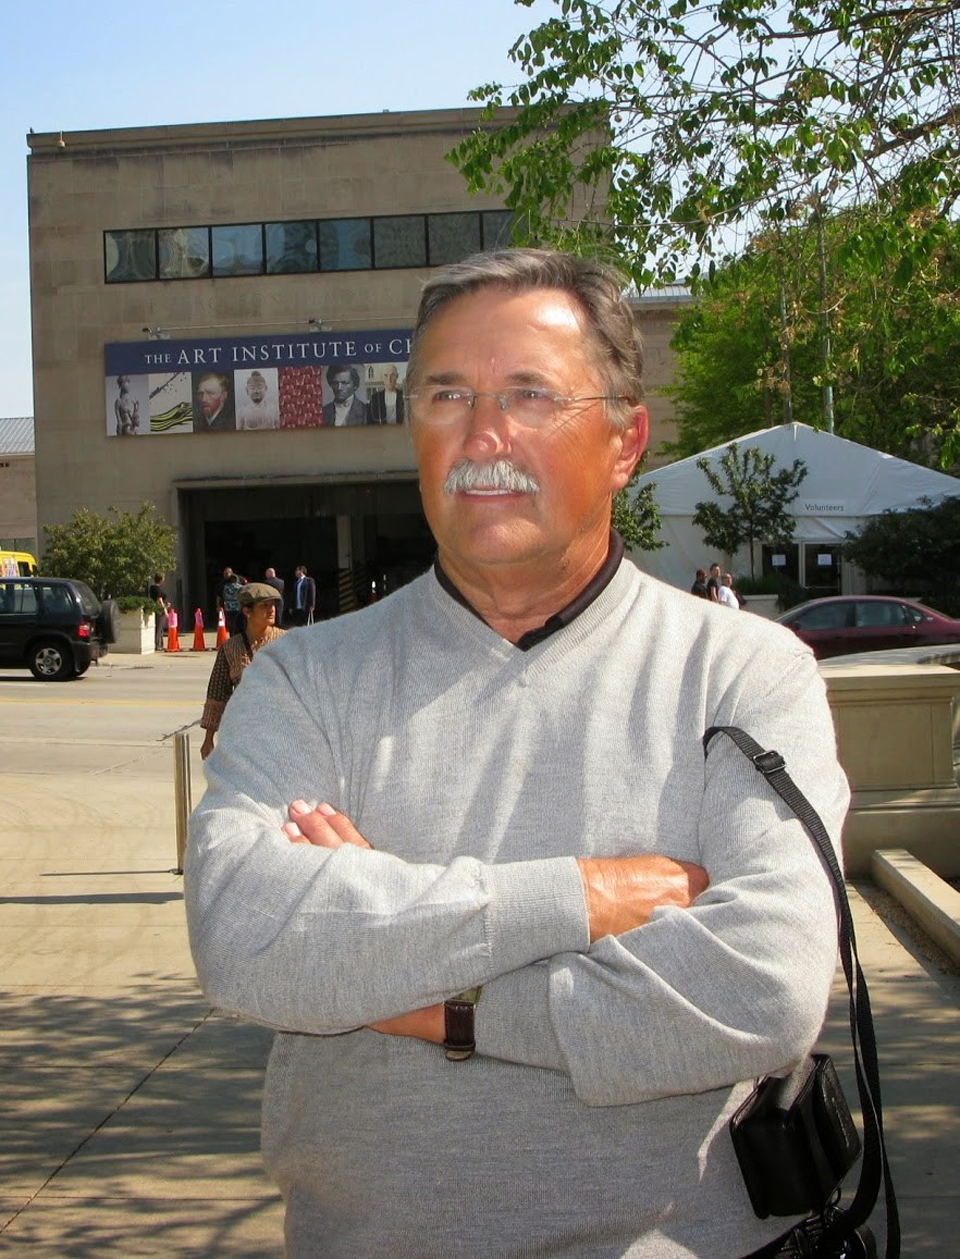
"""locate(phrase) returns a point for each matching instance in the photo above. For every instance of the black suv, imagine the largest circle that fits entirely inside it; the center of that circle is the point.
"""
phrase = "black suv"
(53, 626)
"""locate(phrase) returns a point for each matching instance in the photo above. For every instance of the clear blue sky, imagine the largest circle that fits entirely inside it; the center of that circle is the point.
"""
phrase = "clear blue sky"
(73, 67)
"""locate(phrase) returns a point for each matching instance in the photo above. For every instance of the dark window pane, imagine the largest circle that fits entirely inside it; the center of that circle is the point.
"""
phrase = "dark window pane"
(291, 247)
(827, 616)
(497, 229)
(238, 249)
(345, 245)
(452, 237)
(399, 241)
(130, 255)
(184, 252)
(20, 599)
(56, 599)
(879, 614)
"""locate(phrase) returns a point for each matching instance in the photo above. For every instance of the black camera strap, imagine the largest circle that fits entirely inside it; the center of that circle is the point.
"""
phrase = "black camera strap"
(874, 1165)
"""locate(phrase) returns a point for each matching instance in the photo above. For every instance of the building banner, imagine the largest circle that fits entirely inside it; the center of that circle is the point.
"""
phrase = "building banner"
(322, 380)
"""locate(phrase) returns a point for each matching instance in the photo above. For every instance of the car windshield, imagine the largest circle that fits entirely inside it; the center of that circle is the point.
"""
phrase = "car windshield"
(88, 600)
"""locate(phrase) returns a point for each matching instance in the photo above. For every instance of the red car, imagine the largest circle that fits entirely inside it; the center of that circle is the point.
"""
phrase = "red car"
(844, 624)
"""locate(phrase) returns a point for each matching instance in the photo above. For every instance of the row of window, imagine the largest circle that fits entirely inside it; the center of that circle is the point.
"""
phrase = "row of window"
(358, 244)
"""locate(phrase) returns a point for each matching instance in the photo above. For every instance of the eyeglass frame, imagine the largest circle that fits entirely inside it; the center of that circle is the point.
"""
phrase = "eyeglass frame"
(470, 396)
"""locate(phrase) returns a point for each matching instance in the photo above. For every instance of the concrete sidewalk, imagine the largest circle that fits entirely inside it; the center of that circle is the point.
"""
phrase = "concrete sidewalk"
(130, 1109)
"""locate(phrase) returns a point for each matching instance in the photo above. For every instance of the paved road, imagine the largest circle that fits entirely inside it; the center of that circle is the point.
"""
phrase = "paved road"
(129, 1109)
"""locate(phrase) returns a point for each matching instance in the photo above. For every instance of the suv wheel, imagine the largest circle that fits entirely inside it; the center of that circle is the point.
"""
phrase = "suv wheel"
(51, 661)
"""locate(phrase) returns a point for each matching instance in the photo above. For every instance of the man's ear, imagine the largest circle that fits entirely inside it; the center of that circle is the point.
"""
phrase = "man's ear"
(633, 442)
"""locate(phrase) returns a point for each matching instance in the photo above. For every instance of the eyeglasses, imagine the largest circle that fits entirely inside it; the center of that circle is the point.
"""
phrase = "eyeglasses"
(527, 404)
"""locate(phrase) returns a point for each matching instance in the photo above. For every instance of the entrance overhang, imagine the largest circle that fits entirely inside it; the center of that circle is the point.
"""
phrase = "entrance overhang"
(275, 480)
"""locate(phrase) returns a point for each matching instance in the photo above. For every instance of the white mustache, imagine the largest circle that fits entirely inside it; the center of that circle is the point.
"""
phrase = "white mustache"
(501, 474)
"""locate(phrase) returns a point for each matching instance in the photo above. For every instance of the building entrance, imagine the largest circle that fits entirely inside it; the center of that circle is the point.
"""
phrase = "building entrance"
(359, 540)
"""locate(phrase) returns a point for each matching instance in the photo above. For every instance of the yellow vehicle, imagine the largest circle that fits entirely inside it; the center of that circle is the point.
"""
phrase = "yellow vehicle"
(17, 564)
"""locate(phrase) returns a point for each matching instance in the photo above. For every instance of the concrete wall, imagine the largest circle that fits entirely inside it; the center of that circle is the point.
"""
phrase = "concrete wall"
(895, 727)
(18, 502)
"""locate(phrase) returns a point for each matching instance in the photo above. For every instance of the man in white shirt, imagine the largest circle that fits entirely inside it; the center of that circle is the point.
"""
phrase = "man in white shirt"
(725, 593)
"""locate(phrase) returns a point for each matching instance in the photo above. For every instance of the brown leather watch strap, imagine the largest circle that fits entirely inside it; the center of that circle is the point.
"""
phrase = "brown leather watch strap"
(458, 1024)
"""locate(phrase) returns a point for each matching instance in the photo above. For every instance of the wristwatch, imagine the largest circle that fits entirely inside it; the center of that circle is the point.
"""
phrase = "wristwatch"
(458, 1024)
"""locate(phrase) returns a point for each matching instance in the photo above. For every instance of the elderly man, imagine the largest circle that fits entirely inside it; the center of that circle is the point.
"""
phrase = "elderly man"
(527, 948)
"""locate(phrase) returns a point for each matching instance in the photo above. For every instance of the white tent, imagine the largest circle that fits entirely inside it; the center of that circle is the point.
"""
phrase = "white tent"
(845, 485)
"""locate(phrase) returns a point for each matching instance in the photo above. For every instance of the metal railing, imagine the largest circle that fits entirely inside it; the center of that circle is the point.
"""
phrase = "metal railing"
(183, 795)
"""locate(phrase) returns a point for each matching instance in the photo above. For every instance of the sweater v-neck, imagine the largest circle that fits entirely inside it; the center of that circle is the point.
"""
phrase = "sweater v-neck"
(550, 648)
(557, 620)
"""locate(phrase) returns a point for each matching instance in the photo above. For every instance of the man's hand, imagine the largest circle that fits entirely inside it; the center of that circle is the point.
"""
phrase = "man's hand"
(426, 1024)
(322, 826)
(623, 892)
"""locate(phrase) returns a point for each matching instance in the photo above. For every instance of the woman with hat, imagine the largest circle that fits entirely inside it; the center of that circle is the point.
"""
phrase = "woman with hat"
(259, 611)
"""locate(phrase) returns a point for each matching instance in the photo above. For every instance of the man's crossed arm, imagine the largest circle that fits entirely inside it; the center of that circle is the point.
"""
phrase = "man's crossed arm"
(621, 894)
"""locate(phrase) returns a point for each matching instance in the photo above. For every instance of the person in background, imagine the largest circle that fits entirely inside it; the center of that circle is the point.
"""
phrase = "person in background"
(258, 610)
(304, 597)
(726, 594)
(699, 587)
(271, 579)
(228, 599)
(157, 593)
(713, 584)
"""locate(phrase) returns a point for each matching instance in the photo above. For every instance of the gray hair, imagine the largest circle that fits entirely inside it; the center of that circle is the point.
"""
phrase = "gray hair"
(597, 289)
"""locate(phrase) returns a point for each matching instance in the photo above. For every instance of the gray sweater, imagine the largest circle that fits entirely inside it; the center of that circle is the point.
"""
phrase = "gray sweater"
(592, 1119)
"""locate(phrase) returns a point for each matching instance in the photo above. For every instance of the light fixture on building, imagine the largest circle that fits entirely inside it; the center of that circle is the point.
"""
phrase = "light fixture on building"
(318, 325)
(157, 334)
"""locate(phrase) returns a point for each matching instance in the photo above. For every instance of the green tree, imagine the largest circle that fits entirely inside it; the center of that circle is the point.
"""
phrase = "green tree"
(894, 365)
(759, 498)
(915, 551)
(114, 554)
(636, 516)
(670, 131)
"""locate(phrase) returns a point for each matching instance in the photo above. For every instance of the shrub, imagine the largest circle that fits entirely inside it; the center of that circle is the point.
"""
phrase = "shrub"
(116, 554)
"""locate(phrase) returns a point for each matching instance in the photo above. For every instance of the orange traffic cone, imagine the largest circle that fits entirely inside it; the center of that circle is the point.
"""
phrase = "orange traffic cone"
(222, 634)
(198, 641)
(173, 638)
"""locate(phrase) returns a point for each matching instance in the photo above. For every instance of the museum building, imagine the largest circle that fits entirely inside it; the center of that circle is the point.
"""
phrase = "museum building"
(221, 317)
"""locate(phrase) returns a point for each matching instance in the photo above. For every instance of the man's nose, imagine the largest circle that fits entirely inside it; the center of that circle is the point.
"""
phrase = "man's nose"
(490, 430)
